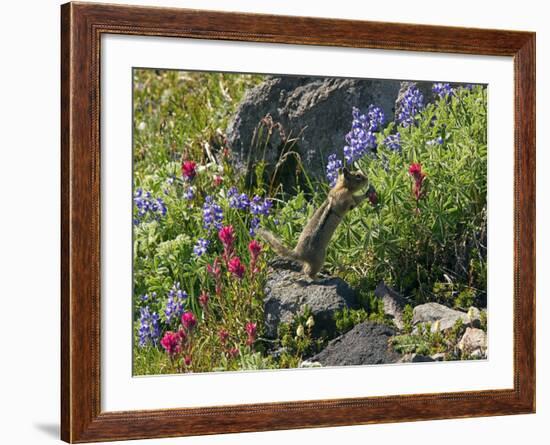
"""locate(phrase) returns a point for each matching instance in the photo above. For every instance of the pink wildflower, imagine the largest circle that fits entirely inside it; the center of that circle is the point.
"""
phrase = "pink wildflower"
(251, 330)
(187, 360)
(415, 170)
(170, 342)
(255, 248)
(182, 335)
(224, 335)
(188, 169)
(216, 271)
(218, 180)
(188, 320)
(203, 299)
(236, 267)
(227, 236)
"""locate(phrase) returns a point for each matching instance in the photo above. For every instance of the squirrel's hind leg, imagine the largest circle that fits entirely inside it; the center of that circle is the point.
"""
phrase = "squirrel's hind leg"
(311, 270)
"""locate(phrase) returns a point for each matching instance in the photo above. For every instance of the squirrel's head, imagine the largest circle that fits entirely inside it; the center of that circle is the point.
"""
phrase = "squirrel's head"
(352, 180)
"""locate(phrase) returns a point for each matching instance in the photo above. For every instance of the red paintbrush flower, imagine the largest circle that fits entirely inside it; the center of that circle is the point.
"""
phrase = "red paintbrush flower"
(203, 299)
(227, 236)
(255, 248)
(188, 169)
(170, 343)
(251, 329)
(224, 335)
(415, 170)
(236, 267)
(188, 320)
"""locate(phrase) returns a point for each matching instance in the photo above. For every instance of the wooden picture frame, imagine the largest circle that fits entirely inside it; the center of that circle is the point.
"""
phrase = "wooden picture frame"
(82, 26)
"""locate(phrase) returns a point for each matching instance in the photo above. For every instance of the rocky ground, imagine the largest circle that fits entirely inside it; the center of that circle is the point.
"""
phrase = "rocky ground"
(434, 332)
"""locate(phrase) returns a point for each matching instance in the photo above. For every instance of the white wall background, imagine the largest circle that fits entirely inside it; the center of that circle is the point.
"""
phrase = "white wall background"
(29, 219)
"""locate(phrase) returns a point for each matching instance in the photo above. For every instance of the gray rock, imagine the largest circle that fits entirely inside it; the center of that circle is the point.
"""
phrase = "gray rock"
(441, 317)
(393, 303)
(288, 291)
(366, 344)
(439, 357)
(474, 343)
(316, 110)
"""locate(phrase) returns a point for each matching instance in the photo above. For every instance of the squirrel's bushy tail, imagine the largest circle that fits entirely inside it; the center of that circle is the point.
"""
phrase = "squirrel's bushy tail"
(277, 245)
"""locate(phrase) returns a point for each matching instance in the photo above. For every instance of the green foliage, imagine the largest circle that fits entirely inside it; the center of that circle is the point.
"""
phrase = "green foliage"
(483, 320)
(407, 319)
(296, 339)
(414, 244)
(346, 319)
(423, 341)
(177, 111)
(245, 360)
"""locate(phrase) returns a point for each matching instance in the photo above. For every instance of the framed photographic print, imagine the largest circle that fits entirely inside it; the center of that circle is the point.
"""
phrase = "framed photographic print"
(275, 222)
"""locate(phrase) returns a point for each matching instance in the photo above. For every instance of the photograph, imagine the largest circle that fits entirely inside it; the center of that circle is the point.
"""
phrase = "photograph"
(284, 221)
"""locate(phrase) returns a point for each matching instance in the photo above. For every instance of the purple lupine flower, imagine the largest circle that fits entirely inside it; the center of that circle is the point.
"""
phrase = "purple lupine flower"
(238, 201)
(212, 214)
(259, 206)
(332, 169)
(146, 297)
(148, 207)
(149, 327)
(175, 303)
(393, 142)
(189, 193)
(409, 105)
(376, 118)
(254, 224)
(437, 141)
(361, 139)
(442, 89)
(201, 247)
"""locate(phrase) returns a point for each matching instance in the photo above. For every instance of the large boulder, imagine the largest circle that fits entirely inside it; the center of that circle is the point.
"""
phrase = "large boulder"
(315, 110)
(442, 318)
(474, 343)
(366, 344)
(288, 291)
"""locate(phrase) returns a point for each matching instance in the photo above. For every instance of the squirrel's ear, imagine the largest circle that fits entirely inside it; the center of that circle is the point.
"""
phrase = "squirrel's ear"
(340, 171)
(345, 171)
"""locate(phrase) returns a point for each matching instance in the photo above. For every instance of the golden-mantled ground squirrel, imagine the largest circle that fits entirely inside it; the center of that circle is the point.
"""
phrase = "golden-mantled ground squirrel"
(312, 245)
